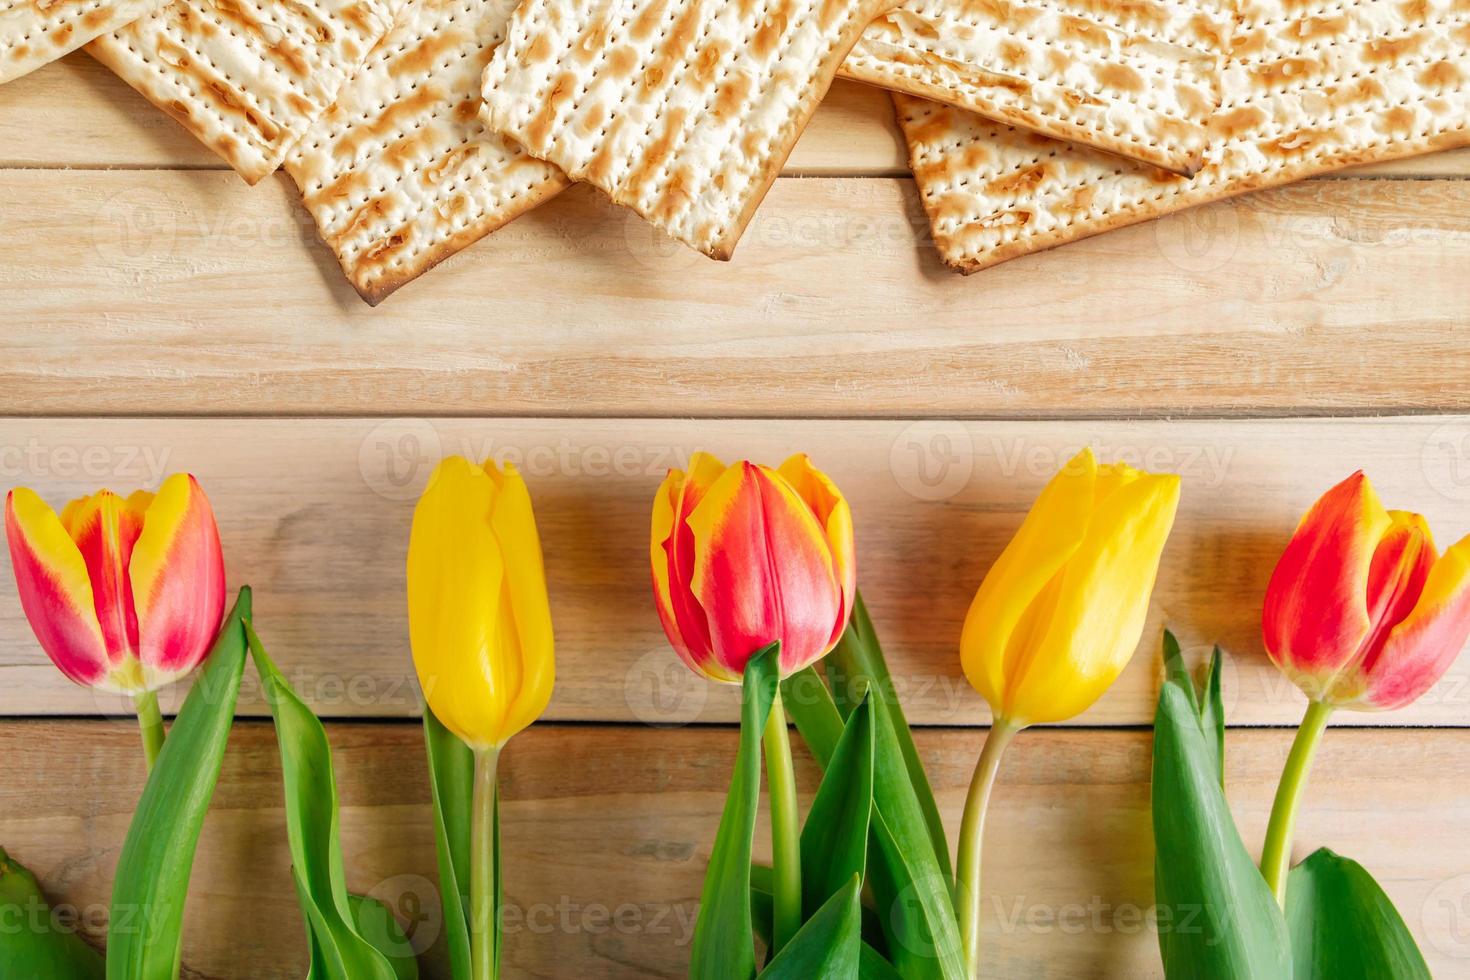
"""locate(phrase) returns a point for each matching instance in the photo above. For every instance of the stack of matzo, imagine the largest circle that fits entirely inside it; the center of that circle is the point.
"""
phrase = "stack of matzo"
(400, 173)
(415, 127)
(1308, 87)
(1136, 77)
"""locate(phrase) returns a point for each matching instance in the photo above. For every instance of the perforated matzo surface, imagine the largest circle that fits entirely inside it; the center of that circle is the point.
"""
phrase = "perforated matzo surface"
(683, 110)
(37, 32)
(1134, 77)
(247, 77)
(1309, 87)
(400, 173)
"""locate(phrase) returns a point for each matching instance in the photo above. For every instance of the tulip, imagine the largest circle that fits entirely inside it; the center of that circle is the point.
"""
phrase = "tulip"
(744, 557)
(1056, 619)
(124, 594)
(480, 628)
(1363, 613)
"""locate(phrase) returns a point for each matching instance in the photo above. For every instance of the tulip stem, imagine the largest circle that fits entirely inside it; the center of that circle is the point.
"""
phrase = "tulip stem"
(1276, 853)
(785, 828)
(972, 832)
(150, 721)
(483, 832)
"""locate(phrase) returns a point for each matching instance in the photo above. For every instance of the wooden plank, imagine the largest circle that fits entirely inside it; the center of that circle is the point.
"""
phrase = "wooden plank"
(197, 294)
(75, 113)
(315, 516)
(607, 831)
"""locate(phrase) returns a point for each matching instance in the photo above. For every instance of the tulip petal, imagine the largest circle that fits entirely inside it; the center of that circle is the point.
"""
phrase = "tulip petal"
(1100, 604)
(835, 516)
(105, 529)
(514, 524)
(1421, 648)
(689, 629)
(1316, 616)
(762, 570)
(55, 589)
(177, 579)
(1047, 538)
(455, 587)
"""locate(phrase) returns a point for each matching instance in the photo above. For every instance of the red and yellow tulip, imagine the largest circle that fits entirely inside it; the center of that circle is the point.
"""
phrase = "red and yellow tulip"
(124, 594)
(1362, 612)
(744, 556)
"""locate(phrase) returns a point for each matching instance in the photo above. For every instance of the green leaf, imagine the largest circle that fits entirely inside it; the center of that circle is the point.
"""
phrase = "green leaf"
(152, 875)
(871, 965)
(1343, 926)
(32, 942)
(910, 885)
(1217, 917)
(452, 784)
(827, 945)
(724, 938)
(313, 832)
(856, 665)
(834, 840)
(376, 923)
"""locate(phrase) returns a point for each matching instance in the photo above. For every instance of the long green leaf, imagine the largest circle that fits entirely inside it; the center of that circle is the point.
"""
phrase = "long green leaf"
(829, 943)
(871, 965)
(153, 870)
(1218, 919)
(451, 785)
(376, 923)
(724, 938)
(313, 833)
(32, 942)
(857, 664)
(1343, 926)
(834, 840)
(909, 884)
(910, 887)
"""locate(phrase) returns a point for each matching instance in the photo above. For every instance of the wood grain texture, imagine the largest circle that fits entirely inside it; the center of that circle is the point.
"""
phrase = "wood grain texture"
(607, 831)
(315, 514)
(196, 294)
(107, 124)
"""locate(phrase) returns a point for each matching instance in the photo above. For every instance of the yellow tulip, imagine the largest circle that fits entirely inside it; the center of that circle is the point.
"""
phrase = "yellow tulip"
(1062, 610)
(478, 617)
(1056, 620)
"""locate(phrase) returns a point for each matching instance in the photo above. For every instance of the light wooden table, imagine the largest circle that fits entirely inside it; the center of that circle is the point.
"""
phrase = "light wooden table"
(160, 315)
